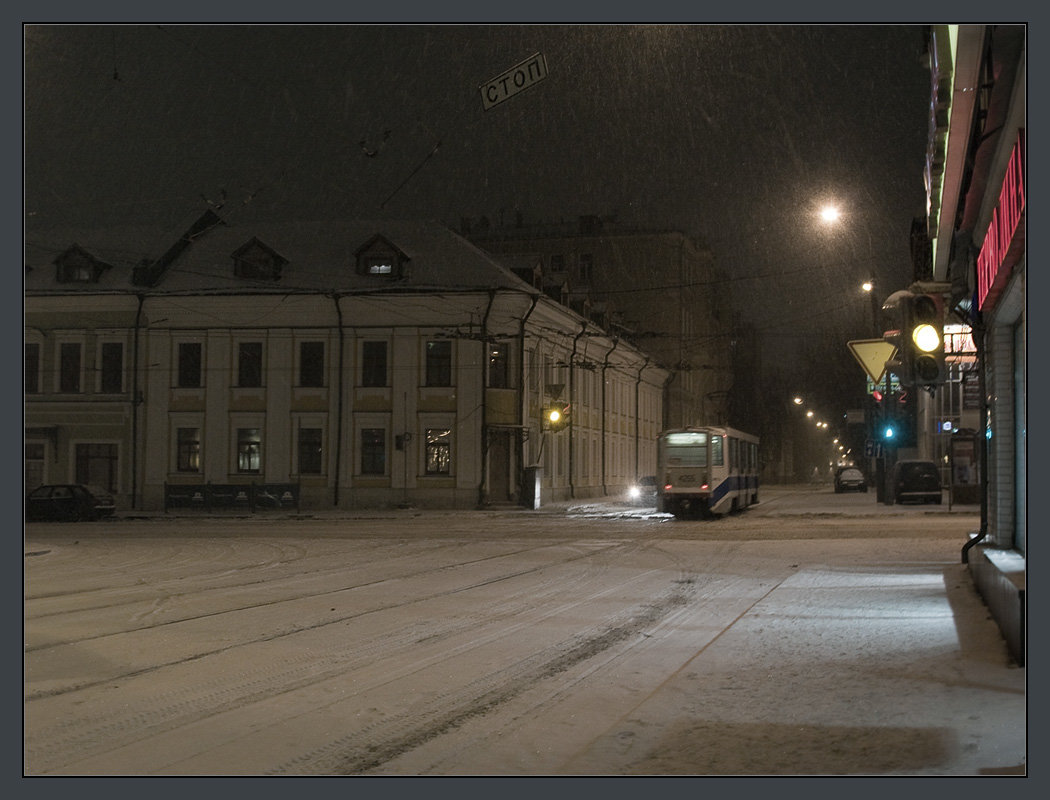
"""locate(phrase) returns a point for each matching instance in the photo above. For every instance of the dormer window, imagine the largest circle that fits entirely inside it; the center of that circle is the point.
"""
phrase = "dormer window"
(255, 261)
(379, 258)
(72, 273)
(378, 265)
(77, 265)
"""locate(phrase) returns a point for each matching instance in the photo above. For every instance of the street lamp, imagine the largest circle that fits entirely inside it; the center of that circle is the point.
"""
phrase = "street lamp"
(869, 287)
(830, 214)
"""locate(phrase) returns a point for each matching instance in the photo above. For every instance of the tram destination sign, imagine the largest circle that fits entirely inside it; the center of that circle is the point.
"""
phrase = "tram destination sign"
(516, 79)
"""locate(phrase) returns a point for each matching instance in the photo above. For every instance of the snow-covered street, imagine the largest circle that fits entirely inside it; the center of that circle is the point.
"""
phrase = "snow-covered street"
(814, 634)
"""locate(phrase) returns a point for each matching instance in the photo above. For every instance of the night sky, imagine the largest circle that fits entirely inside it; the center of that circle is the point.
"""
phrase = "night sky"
(736, 134)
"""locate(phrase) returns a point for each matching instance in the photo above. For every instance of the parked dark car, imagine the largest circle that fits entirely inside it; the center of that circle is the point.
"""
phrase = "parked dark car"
(848, 479)
(917, 481)
(68, 502)
(643, 491)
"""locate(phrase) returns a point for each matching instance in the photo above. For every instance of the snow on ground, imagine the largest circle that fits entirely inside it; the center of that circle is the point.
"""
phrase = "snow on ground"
(815, 634)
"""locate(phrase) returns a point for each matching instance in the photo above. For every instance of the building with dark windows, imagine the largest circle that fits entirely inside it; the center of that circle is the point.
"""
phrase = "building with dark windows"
(348, 364)
(660, 289)
(975, 179)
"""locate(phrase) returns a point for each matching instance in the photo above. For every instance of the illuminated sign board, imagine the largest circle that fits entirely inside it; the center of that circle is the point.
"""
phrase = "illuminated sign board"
(1004, 241)
(958, 343)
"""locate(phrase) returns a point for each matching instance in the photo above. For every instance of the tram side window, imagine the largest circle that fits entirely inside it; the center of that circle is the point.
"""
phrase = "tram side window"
(734, 453)
(717, 456)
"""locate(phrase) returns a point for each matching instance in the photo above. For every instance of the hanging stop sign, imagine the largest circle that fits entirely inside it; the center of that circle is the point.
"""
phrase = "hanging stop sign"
(516, 79)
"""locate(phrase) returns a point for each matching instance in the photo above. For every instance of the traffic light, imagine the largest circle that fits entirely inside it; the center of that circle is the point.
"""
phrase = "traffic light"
(888, 431)
(927, 339)
(916, 328)
(556, 417)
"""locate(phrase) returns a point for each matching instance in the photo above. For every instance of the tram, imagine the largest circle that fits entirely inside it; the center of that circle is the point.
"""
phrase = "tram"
(706, 471)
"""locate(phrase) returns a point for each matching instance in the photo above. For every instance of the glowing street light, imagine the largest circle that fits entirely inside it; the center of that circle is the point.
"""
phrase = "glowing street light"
(830, 214)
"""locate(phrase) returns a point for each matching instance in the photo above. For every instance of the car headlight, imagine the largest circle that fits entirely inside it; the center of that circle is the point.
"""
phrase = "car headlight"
(634, 492)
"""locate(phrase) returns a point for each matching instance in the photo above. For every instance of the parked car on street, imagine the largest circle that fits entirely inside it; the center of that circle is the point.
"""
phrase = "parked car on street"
(643, 491)
(850, 479)
(68, 502)
(917, 481)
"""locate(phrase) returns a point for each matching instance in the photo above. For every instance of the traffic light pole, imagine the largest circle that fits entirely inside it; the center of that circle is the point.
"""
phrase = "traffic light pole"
(880, 460)
(916, 330)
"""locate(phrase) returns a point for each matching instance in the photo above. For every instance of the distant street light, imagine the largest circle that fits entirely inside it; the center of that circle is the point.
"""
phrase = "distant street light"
(798, 401)
(869, 287)
(829, 213)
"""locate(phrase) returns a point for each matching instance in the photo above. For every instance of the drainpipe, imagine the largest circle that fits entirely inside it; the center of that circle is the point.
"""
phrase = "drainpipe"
(339, 406)
(979, 332)
(135, 406)
(605, 367)
(638, 415)
(572, 386)
(523, 397)
(665, 395)
(484, 400)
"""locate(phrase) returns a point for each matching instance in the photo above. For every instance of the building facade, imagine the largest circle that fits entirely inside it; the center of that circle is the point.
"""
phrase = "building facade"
(334, 365)
(975, 180)
(658, 288)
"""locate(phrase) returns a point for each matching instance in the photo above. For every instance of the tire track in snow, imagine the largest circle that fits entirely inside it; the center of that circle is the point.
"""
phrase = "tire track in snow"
(76, 739)
(386, 739)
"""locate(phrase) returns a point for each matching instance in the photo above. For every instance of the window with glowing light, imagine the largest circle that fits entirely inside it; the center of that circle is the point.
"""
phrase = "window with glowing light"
(249, 450)
(188, 449)
(439, 451)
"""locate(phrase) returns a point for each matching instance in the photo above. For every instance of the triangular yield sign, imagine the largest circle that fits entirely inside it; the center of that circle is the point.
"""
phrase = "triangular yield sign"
(872, 355)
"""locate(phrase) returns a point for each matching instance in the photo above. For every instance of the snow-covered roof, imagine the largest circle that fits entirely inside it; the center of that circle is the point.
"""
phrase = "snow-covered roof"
(321, 256)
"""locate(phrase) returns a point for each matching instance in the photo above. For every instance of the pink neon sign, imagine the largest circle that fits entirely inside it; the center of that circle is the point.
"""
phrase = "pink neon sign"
(1004, 241)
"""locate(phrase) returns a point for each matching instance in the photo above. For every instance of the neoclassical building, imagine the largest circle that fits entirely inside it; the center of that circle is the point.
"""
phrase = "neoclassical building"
(334, 365)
